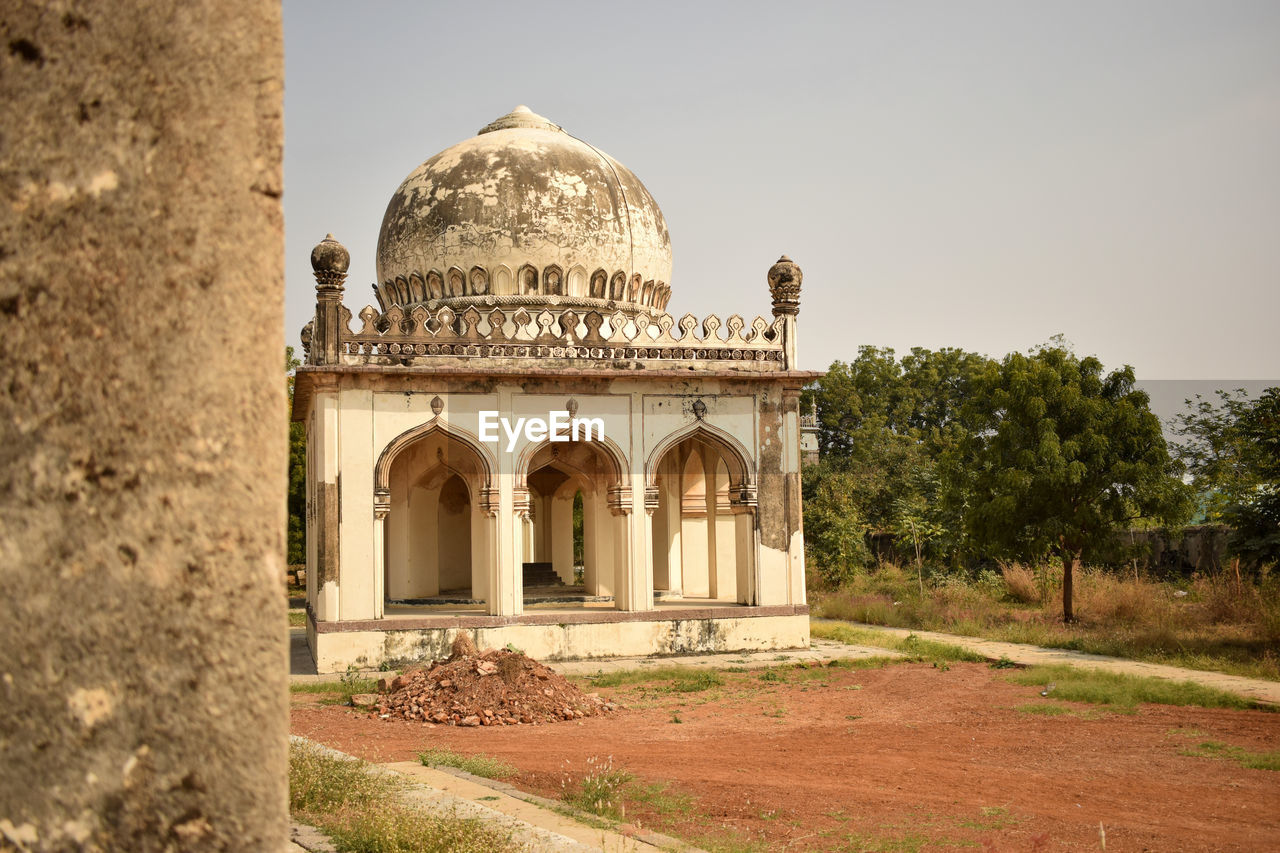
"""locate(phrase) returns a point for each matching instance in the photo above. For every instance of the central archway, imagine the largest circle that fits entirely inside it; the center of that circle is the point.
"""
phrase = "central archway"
(560, 475)
(432, 485)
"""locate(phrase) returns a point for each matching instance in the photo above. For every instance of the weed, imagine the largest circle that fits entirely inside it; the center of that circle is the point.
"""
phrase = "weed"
(1003, 663)
(477, 765)
(770, 674)
(675, 717)
(340, 691)
(1267, 760)
(1043, 709)
(361, 809)
(601, 791)
(679, 679)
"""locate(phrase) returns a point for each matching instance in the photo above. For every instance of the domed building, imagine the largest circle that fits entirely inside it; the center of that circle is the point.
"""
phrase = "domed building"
(519, 441)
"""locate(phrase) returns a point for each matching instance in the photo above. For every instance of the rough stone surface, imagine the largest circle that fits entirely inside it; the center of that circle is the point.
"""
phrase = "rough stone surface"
(142, 427)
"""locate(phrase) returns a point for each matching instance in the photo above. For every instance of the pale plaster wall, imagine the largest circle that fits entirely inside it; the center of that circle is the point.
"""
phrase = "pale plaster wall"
(338, 650)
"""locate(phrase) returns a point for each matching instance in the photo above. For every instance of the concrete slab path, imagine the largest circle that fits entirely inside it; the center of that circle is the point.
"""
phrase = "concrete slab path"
(533, 822)
(1258, 689)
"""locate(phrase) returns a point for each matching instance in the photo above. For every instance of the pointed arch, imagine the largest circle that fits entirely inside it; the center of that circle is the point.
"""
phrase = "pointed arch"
(737, 458)
(528, 280)
(435, 285)
(382, 470)
(553, 280)
(599, 284)
(609, 451)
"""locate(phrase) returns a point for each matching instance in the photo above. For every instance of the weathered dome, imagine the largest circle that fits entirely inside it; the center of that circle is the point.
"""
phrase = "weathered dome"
(523, 213)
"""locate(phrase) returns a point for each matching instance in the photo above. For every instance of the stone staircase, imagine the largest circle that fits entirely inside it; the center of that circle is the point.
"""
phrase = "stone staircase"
(540, 575)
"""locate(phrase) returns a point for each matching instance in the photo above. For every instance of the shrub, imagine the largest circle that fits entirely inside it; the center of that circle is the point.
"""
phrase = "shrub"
(1020, 583)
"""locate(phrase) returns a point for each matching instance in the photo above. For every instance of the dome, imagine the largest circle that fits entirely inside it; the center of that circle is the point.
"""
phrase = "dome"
(524, 214)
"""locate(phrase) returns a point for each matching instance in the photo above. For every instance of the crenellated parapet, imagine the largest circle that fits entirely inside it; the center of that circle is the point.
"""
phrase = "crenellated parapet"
(422, 335)
(566, 329)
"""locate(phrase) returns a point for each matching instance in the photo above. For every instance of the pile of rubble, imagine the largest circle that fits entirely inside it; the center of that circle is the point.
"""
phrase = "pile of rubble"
(498, 687)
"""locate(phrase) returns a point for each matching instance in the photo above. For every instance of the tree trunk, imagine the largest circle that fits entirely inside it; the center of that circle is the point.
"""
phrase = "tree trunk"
(1068, 564)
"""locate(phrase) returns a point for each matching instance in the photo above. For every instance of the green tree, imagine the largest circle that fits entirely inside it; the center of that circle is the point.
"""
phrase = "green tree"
(1064, 457)
(835, 530)
(884, 424)
(297, 501)
(1231, 448)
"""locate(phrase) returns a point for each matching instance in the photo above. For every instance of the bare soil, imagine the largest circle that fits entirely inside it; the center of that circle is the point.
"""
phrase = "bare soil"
(903, 758)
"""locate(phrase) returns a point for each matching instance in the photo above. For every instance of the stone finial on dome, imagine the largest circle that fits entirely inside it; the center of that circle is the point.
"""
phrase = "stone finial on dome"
(521, 116)
(784, 286)
(329, 261)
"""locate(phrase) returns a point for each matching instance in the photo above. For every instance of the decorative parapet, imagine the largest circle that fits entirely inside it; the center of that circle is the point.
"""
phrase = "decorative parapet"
(421, 336)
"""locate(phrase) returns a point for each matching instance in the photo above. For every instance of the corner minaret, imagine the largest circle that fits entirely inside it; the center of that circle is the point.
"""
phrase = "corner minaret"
(784, 286)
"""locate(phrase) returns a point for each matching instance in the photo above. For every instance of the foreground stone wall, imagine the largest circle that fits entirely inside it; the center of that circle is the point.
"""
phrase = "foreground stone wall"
(142, 427)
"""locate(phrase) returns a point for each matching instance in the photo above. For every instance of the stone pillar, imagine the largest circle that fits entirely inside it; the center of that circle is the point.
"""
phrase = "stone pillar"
(794, 495)
(746, 543)
(381, 507)
(143, 651)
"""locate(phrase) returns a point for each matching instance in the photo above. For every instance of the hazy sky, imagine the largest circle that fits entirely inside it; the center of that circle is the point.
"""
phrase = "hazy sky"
(981, 175)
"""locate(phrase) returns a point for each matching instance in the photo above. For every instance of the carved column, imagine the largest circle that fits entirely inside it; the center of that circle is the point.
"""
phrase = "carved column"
(381, 508)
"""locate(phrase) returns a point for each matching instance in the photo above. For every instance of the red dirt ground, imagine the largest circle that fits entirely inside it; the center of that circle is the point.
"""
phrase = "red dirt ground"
(903, 758)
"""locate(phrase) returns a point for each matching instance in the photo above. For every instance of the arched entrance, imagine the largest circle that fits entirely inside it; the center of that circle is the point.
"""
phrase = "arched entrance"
(704, 525)
(573, 494)
(432, 488)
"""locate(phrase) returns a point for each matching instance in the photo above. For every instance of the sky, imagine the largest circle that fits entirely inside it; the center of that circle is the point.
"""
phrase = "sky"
(982, 175)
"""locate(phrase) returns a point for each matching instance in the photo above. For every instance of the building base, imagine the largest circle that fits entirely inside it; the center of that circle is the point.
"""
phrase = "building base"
(560, 635)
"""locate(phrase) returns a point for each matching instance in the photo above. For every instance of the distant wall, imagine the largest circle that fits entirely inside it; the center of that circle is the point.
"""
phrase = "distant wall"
(143, 654)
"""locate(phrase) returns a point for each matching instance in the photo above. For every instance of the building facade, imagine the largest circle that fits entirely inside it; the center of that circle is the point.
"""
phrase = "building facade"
(520, 442)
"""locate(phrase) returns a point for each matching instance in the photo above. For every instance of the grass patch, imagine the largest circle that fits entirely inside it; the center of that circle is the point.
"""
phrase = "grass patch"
(340, 691)
(1268, 760)
(363, 812)
(477, 765)
(659, 797)
(297, 618)
(914, 647)
(857, 843)
(1043, 709)
(676, 679)
(1120, 690)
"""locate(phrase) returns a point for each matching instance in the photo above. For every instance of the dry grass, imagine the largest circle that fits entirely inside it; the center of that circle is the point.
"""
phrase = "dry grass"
(362, 810)
(1214, 622)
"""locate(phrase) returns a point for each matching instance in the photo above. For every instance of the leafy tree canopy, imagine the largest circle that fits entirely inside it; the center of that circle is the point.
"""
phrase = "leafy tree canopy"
(1061, 457)
(1231, 448)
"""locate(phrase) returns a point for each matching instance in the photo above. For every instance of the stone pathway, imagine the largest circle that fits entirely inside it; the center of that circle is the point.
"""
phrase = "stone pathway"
(1258, 689)
(534, 822)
